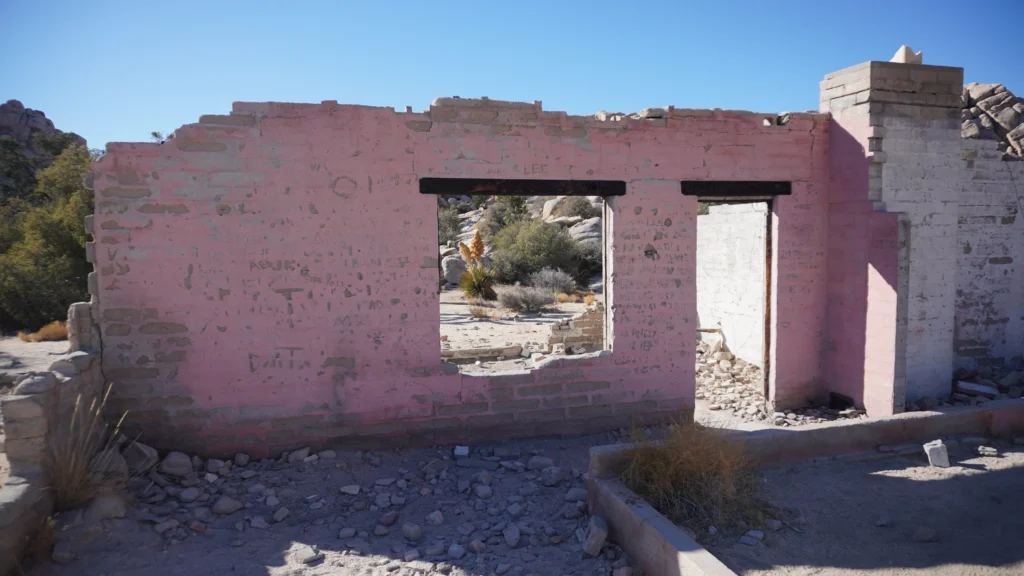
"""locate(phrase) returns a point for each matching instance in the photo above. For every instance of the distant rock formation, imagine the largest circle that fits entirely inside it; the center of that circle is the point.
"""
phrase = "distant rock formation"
(991, 112)
(21, 123)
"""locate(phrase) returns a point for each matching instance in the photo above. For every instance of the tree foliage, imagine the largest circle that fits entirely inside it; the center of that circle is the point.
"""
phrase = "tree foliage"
(43, 267)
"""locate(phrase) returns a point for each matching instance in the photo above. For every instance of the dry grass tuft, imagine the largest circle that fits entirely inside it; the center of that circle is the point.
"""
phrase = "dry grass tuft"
(77, 467)
(588, 299)
(496, 316)
(563, 298)
(52, 332)
(479, 312)
(698, 476)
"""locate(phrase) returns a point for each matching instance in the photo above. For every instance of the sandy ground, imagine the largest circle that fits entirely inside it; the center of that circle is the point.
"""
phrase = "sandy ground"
(464, 331)
(17, 357)
(975, 508)
(415, 482)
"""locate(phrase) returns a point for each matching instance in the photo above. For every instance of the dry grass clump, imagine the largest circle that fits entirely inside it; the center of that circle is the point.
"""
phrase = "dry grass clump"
(697, 476)
(52, 332)
(525, 299)
(588, 299)
(77, 467)
(479, 312)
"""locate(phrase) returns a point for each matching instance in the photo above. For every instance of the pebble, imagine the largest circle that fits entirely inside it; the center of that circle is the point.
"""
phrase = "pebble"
(346, 533)
(536, 463)
(351, 489)
(272, 501)
(477, 546)
(281, 514)
(189, 495)
(597, 533)
(502, 568)
(773, 524)
(435, 549)
(435, 518)
(166, 525)
(411, 554)
(987, 451)
(379, 530)
(756, 535)
(748, 541)
(482, 492)
(515, 510)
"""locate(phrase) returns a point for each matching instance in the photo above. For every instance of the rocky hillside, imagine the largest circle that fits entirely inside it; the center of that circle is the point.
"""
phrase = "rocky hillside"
(21, 152)
(991, 112)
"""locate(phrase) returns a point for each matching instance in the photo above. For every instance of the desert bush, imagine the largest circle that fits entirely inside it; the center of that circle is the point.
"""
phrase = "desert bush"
(525, 298)
(478, 200)
(588, 299)
(703, 209)
(589, 262)
(551, 279)
(505, 211)
(529, 246)
(52, 332)
(478, 283)
(479, 312)
(77, 467)
(577, 206)
(697, 476)
(448, 224)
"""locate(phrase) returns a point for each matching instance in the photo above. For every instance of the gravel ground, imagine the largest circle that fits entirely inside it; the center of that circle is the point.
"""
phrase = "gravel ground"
(892, 517)
(416, 512)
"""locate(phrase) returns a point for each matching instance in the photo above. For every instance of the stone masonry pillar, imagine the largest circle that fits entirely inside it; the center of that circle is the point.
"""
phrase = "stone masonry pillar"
(908, 118)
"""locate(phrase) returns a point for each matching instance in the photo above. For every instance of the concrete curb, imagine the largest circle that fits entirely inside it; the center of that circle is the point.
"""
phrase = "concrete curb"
(778, 445)
(663, 549)
(660, 547)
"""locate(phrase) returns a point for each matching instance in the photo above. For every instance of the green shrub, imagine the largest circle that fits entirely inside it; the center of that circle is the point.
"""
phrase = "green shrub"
(477, 283)
(525, 299)
(448, 224)
(702, 209)
(478, 200)
(505, 211)
(528, 246)
(577, 206)
(589, 262)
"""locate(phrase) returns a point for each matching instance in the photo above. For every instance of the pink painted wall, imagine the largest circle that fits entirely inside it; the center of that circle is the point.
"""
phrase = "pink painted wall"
(862, 356)
(268, 279)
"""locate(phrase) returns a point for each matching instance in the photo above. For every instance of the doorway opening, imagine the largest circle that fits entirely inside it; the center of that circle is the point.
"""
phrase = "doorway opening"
(521, 271)
(733, 287)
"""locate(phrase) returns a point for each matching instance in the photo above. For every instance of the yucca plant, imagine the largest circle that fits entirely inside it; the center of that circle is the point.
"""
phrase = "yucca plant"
(477, 282)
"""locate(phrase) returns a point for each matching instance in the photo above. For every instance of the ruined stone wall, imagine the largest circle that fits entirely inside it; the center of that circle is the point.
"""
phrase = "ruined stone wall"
(989, 327)
(731, 268)
(268, 278)
(585, 329)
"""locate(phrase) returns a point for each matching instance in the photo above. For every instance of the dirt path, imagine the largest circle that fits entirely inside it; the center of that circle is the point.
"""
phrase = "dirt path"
(464, 331)
(974, 507)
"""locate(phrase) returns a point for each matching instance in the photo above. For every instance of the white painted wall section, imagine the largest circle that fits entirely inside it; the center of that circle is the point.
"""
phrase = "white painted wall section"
(731, 245)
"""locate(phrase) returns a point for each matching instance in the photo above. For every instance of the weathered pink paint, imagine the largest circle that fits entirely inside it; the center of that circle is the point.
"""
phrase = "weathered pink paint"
(269, 278)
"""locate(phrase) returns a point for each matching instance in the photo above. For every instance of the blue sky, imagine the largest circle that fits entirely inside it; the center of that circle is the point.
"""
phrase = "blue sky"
(115, 70)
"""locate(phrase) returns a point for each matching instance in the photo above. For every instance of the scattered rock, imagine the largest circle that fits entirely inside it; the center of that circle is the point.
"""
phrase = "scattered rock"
(351, 489)
(411, 554)
(551, 476)
(188, 495)
(482, 492)
(346, 533)
(388, 519)
(281, 514)
(379, 530)
(461, 451)
(306, 554)
(477, 546)
(748, 541)
(773, 524)
(412, 532)
(536, 463)
(987, 451)
(176, 464)
(597, 533)
(937, 454)
(456, 551)
(298, 455)
(259, 522)
(105, 506)
(226, 505)
(576, 495)
(166, 526)
(435, 518)
(241, 459)
(511, 535)
(140, 458)
(755, 534)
